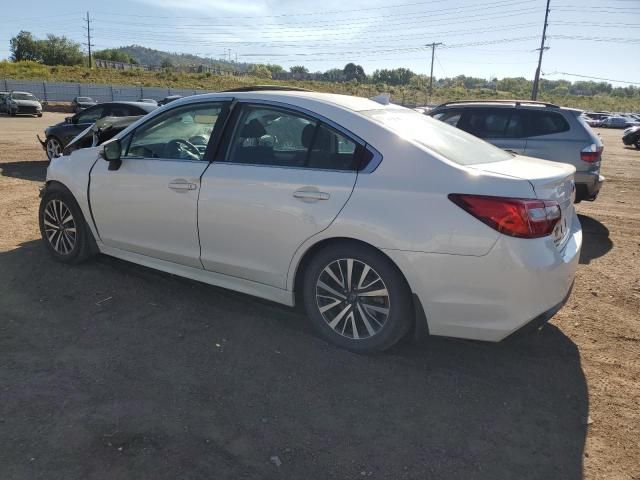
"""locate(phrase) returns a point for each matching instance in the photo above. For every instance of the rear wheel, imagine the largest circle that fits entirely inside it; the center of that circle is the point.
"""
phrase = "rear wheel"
(63, 228)
(637, 144)
(357, 298)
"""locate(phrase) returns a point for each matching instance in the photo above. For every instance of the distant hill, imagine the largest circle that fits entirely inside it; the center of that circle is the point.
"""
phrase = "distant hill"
(155, 58)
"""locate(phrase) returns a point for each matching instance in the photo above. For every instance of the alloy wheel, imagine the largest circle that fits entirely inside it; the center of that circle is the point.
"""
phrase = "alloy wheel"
(60, 227)
(352, 298)
(54, 148)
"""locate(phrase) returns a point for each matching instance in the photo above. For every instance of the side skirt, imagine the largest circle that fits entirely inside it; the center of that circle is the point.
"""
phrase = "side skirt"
(219, 280)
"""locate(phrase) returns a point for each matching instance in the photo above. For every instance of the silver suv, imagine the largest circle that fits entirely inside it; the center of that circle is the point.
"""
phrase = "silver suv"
(535, 129)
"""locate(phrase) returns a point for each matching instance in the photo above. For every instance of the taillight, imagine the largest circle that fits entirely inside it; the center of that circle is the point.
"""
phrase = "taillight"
(592, 153)
(516, 217)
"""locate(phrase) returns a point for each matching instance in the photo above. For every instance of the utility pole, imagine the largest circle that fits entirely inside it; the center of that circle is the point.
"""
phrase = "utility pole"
(536, 80)
(89, 39)
(433, 53)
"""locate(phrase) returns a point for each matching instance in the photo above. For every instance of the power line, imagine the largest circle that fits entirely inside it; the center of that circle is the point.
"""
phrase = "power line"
(591, 78)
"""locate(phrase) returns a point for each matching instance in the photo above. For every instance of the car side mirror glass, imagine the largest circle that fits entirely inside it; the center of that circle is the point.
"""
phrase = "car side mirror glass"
(112, 151)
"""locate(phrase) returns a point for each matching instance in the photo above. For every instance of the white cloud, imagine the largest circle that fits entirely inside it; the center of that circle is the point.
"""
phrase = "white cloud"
(210, 8)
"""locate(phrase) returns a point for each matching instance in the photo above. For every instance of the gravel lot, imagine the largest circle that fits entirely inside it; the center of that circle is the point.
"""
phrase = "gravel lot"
(113, 371)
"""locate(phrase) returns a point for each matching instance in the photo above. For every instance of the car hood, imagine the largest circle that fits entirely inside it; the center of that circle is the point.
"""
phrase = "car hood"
(27, 103)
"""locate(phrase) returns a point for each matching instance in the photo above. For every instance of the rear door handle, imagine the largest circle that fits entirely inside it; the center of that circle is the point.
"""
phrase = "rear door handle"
(311, 195)
(182, 185)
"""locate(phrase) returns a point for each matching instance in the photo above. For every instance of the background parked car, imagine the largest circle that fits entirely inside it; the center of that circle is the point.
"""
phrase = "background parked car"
(148, 100)
(535, 129)
(169, 99)
(3, 101)
(98, 133)
(631, 136)
(19, 103)
(58, 136)
(81, 103)
(617, 122)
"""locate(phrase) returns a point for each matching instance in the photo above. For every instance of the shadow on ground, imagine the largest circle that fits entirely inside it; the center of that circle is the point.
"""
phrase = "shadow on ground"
(595, 239)
(114, 371)
(28, 170)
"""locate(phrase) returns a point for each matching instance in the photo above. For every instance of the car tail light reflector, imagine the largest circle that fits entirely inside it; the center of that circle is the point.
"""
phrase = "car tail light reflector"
(516, 217)
(592, 153)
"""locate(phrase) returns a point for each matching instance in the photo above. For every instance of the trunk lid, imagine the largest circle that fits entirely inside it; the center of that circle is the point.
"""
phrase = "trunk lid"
(550, 181)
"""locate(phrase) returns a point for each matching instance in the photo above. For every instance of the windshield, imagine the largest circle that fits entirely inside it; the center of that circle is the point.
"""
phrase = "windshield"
(454, 144)
(84, 99)
(23, 96)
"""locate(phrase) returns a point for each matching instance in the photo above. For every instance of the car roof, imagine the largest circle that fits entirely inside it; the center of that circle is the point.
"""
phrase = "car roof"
(144, 105)
(293, 97)
(520, 104)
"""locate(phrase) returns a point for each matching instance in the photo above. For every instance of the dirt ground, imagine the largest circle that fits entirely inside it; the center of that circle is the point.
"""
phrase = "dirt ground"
(113, 371)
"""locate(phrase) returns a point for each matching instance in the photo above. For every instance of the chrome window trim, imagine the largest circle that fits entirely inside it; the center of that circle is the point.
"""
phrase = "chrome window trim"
(371, 166)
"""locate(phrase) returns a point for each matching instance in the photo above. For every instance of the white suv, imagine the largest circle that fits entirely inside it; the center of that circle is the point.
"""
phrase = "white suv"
(377, 218)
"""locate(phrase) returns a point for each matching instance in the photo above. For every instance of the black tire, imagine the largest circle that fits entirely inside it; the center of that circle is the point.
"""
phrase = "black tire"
(64, 246)
(49, 148)
(39, 115)
(374, 332)
(637, 144)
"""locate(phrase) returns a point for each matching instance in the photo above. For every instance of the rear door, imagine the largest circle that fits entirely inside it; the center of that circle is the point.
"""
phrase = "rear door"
(281, 177)
(503, 127)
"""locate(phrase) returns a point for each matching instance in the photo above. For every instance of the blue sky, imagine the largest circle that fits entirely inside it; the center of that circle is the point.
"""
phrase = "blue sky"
(598, 38)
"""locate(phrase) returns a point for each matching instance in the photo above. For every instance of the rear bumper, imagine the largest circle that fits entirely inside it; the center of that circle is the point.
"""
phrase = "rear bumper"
(588, 185)
(490, 297)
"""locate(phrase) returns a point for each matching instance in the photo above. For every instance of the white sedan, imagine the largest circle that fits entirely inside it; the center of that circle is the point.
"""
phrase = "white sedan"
(377, 218)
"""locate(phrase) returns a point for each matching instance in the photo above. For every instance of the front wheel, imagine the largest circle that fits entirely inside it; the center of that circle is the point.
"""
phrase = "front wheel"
(53, 147)
(64, 232)
(637, 144)
(357, 298)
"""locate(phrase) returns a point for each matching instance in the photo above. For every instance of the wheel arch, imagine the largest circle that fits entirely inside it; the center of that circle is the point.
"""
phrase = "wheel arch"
(419, 321)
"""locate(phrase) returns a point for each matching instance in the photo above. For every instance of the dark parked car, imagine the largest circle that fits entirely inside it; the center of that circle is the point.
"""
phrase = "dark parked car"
(169, 99)
(631, 136)
(58, 136)
(104, 129)
(148, 100)
(82, 103)
(3, 101)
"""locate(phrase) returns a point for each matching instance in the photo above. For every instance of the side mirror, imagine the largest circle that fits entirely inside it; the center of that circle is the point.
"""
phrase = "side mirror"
(112, 151)
(68, 119)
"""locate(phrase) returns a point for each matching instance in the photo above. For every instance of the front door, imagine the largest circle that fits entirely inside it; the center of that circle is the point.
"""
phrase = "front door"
(149, 205)
(282, 178)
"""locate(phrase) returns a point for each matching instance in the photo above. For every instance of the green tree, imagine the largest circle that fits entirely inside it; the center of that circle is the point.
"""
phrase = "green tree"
(166, 63)
(299, 69)
(260, 71)
(352, 71)
(60, 51)
(115, 55)
(395, 76)
(24, 47)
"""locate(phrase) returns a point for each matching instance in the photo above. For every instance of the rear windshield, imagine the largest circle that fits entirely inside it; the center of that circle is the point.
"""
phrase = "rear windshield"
(450, 142)
(22, 96)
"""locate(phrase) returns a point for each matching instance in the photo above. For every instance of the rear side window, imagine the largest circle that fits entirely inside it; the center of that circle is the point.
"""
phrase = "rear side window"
(546, 123)
(279, 137)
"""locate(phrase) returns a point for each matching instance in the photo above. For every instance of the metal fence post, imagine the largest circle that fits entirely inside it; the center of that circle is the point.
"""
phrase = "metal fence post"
(6, 85)
(44, 90)
(79, 91)
(112, 98)
(141, 92)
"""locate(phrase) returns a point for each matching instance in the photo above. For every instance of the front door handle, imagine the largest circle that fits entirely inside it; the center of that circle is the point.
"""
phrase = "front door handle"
(182, 185)
(310, 195)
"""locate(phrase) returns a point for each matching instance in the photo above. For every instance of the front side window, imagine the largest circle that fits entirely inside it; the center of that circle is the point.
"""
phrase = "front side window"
(278, 137)
(181, 134)
(90, 115)
(487, 123)
(450, 117)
